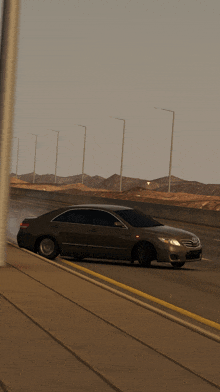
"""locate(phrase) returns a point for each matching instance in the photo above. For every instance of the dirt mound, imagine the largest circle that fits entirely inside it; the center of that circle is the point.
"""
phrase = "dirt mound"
(15, 180)
(135, 189)
(137, 193)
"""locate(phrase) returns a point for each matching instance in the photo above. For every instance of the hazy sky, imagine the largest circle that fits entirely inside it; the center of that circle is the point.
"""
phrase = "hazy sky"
(82, 61)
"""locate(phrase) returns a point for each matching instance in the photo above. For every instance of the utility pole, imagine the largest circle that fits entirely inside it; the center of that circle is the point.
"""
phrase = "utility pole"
(84, 150)
(122, 152)
(34, 156)
(15, 137)
(56, 155)
(171, 147)
(8, 67)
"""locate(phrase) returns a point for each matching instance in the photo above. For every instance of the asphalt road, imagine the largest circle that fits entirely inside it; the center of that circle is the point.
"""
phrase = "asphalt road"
(195, 287)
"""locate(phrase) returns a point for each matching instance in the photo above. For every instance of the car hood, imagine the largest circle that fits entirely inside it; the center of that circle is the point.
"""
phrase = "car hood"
(168, 231)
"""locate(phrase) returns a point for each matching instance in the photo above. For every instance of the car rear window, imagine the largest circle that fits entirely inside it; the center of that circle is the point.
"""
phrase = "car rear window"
(75, 216)
(138, 218)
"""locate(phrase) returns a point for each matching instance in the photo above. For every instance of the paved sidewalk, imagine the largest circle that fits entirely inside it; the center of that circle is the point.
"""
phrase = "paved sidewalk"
(60, 332)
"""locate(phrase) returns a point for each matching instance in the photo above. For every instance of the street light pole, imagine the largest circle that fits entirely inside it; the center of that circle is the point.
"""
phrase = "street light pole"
(56, 155)
(84, 150)
(171, 151)
(34, 156)
(15, 137)
(171, 147)
(17, 159)
(122, 152)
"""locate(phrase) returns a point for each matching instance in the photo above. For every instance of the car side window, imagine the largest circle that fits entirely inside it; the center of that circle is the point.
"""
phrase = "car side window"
(89, 217)
(75, 216)
(103, 218)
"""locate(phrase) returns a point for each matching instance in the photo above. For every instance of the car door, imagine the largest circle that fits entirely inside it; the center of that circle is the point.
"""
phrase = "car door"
(72, 229)
(106, 240)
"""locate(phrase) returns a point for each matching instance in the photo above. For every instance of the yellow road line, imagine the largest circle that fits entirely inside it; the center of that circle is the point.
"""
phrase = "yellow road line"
(147, 296)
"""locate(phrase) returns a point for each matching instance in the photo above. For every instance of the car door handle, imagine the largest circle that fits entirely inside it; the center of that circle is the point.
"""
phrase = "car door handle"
(92, 230)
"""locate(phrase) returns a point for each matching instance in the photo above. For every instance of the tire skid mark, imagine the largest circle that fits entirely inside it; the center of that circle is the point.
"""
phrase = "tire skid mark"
(4, 387)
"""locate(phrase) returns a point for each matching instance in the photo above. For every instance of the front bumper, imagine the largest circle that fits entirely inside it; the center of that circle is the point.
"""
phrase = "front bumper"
(179, 254)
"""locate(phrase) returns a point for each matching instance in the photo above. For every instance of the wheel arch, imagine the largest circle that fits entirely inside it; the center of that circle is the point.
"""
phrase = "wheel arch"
(134, 249)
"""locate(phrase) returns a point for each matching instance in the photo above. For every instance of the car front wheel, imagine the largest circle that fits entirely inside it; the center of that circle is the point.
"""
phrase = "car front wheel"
(177, 265)
(145, 254)
(48, 248)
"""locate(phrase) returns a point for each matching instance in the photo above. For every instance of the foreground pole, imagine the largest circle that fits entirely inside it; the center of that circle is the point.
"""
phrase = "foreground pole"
(8, 63)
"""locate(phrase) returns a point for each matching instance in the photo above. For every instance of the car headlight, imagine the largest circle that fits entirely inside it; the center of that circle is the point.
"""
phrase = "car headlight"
(170, 241)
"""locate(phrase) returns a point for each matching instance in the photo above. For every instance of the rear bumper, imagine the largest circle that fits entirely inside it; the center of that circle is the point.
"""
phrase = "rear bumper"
(179, 255)
(25, 240)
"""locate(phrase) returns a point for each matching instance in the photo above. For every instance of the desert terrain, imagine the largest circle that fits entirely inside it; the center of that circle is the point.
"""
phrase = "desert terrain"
(183, 199)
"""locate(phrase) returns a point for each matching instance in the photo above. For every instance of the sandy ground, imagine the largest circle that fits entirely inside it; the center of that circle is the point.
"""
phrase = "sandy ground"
(136, 194)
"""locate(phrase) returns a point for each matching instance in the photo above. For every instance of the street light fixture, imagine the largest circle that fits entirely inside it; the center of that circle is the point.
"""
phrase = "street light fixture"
(171, 147)
(122, 152)
(84, 150)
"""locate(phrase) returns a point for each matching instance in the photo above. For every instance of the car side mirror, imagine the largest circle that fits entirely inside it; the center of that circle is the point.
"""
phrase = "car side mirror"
(118, 224)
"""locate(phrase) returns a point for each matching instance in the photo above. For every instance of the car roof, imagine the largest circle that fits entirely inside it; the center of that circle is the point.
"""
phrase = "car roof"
(111, 207)
(58, 211)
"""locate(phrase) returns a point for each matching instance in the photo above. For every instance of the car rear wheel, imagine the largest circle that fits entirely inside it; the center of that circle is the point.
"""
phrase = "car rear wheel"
(48, 248)
(175, 264)
(145, 254)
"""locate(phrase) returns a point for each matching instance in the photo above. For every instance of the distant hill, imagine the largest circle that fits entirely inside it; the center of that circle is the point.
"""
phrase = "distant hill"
(193, 187)
(90, 181)
(165, 180)
(112, 183)
(98, 182)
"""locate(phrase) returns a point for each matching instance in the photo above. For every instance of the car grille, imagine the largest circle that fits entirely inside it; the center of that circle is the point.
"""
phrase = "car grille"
(190, 243)
(193, 254)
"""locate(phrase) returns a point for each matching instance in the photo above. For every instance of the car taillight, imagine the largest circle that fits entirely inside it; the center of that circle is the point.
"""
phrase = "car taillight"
(24, 225)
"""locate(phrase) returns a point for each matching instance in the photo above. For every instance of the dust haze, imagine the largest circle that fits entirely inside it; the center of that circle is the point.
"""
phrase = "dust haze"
(17, 214)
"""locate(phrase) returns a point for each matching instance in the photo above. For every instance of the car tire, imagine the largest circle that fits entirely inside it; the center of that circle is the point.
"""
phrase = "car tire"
(145, 254)
(48, 248)
(175, 264)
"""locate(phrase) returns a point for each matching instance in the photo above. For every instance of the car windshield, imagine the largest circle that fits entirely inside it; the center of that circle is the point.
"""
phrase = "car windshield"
(137, 218)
